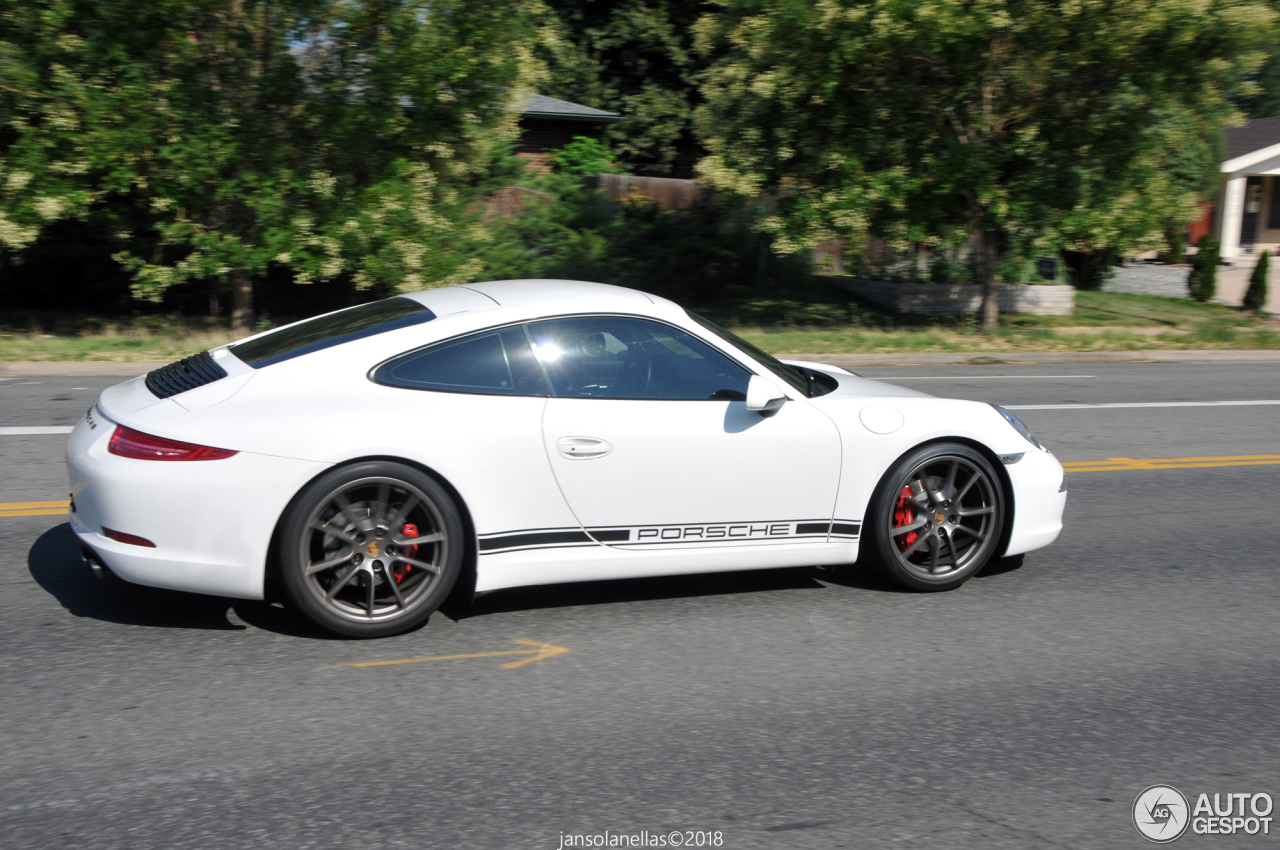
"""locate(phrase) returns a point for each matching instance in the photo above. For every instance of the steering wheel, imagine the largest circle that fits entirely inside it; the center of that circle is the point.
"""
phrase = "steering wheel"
(636, 374)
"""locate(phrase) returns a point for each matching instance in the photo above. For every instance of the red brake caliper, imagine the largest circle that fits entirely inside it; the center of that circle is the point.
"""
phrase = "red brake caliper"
(402, 570)
(903, 515)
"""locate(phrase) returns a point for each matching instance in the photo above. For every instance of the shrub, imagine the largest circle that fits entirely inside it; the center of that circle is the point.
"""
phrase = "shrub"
(1255, 298)
(585, 155)
(1203, 280)
(946, 270)
(695, 256)
(1175, 255)
(1089, 270)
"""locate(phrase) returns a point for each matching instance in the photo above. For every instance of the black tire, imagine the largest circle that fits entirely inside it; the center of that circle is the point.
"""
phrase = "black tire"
(947, 530)
(370, 550)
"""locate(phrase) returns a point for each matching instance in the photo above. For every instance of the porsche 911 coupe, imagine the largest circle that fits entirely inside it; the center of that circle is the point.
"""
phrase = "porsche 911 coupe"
(519, 433)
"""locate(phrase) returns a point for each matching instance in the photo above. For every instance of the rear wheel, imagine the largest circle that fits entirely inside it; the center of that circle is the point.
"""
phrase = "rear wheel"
(371, 550)
(936, 519)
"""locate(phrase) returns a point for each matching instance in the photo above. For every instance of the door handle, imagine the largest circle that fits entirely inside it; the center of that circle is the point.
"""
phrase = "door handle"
(582, 448)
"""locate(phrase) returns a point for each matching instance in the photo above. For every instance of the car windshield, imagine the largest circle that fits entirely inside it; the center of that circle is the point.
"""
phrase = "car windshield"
(331, 329)
(792, 376)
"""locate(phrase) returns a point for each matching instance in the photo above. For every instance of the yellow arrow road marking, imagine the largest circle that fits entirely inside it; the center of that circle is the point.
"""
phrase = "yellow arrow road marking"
(1120, 464)
(544, 650)
(33, 508)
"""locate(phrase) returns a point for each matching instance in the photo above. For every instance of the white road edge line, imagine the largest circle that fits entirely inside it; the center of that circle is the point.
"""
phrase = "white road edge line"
(1141, 404)
(892, 378)
(25, 431)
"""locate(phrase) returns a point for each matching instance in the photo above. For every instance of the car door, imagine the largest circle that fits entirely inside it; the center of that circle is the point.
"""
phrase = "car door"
(651, 443)
(471, 409)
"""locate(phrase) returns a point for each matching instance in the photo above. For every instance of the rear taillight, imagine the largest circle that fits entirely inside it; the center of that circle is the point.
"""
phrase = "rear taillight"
(131, 539)
(127, 442)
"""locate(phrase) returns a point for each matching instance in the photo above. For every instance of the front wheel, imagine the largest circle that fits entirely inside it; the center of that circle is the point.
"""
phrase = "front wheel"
(372, 549)
(936, 519)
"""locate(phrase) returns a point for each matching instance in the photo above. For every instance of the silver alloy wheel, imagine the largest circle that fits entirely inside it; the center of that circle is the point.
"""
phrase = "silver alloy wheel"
(360, 557)
(944, 518)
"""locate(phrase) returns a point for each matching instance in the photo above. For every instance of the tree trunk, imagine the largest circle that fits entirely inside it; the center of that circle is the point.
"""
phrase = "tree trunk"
(241, 302)
(990, 304)
(213, 298)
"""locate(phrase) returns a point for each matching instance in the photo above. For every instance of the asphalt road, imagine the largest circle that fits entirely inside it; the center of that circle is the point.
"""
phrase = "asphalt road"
(781, 709)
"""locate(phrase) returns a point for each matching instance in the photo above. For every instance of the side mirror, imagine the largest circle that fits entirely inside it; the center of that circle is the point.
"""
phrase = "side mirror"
(764, 397)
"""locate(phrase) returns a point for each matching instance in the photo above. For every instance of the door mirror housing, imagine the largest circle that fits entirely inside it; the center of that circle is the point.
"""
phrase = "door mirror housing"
(764, 397)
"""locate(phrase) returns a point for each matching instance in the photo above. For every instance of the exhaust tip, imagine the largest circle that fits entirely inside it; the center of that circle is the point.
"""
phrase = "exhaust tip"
(96, 566)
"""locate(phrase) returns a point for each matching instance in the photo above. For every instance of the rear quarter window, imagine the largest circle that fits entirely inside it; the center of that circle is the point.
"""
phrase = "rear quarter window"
(497, 362)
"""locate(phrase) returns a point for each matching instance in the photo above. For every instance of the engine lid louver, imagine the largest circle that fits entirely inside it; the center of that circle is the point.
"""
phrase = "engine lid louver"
(186, 374)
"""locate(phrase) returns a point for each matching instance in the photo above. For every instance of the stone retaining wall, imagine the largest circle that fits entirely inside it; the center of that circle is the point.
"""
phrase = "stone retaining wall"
(938, 299)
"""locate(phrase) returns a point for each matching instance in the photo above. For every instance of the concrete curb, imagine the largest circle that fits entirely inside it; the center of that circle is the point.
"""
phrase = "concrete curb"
(71, 369)
(993, 358)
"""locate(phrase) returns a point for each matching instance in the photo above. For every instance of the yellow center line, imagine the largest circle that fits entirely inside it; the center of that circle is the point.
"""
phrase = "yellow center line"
(1111, 464)
(1121, 464)
(33, 508)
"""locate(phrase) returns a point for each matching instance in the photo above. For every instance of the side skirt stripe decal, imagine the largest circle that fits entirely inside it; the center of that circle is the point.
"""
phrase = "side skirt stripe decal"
(537, 538)
(639, 536)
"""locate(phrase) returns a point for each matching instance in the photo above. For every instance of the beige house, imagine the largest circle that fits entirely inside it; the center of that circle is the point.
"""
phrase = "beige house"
(1246, 218)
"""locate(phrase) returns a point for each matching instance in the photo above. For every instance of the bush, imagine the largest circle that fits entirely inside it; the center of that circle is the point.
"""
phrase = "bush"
(1255, 298)
(1203, 280)
(1087, 270)
(1175, 255)
(585, 155)
(695, 256)
(946, 270)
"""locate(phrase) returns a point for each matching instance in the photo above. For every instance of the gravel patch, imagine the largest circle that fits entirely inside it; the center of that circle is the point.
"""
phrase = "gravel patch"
(1169, 281)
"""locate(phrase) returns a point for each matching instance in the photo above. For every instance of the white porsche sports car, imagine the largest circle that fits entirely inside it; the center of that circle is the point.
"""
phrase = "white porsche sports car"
(533, 432)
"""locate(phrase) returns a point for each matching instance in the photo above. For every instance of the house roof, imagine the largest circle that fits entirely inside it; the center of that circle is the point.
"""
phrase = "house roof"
(541, 106)
(1257, 134)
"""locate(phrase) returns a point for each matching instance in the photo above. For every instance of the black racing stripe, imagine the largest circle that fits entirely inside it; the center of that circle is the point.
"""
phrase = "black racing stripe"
(812, 527)
(545, 538)
(611, 535)
(846, 528)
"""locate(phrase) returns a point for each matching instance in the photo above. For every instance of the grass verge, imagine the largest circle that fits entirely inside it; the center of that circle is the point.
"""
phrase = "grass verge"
(59, 337)
(825, 322)
(819, 320)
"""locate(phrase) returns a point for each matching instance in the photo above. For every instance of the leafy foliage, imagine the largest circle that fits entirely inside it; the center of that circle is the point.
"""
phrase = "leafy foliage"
(238, 135)
(585, 155)
(1083, 126)
(567, 231)
(633, 57)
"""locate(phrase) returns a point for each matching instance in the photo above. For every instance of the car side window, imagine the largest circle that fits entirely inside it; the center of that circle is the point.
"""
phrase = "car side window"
(493, 362)
(621, 357)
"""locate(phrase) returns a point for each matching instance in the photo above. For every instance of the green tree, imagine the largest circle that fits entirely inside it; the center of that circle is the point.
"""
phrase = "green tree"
(1260, 96)
(1255, 297)
(929, 120)
(325, 137)
(633, 57)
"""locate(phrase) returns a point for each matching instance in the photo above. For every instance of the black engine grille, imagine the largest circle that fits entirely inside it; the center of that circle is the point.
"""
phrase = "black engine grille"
(186, 374)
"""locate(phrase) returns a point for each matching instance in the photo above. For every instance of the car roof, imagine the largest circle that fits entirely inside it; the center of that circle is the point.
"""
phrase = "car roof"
(505, 293)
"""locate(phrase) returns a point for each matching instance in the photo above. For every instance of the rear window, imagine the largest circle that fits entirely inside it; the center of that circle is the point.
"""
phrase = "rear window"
(334, 329)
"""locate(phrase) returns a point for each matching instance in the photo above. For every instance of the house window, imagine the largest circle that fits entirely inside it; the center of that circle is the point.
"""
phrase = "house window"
(1273, 211)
